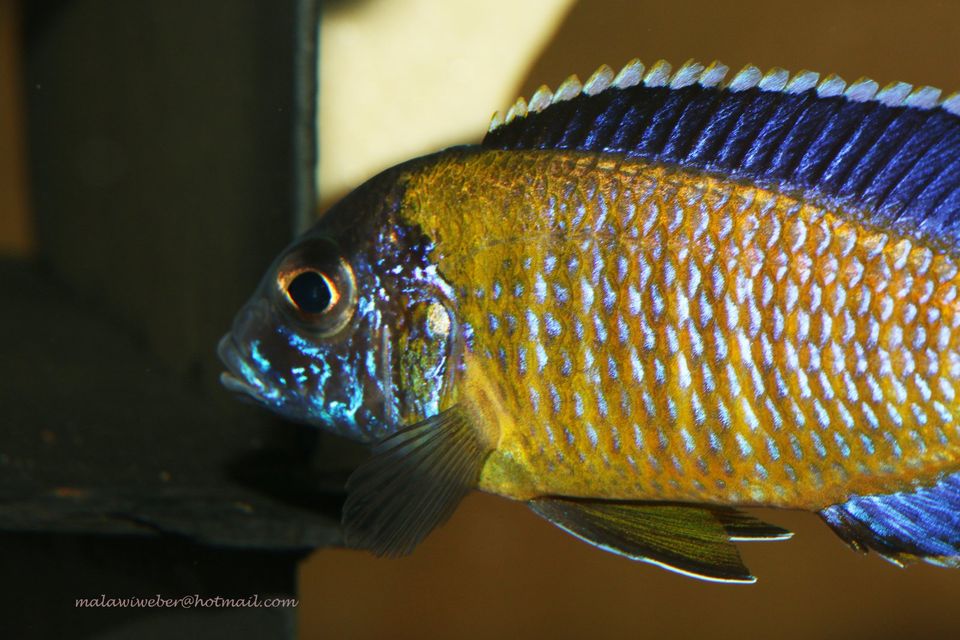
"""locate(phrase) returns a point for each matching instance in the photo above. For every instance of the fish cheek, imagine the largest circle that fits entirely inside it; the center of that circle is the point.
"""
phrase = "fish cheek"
(423, 359)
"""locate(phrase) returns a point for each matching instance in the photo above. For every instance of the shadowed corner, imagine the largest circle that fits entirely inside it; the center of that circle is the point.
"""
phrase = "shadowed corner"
(301, 467)
(161, 171)
(344, 5)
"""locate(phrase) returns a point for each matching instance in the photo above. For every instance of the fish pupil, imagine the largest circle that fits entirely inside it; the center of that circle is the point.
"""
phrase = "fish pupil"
(310, 291)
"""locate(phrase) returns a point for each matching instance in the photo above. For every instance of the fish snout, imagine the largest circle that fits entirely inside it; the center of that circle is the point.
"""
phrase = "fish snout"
(235, 377)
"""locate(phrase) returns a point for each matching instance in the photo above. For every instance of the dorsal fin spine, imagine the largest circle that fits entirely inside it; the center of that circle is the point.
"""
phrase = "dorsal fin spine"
(658, 75)
(923, 98)
(936, 188)
(630, 75)
(803, 81)
(776, 80)
(780, 120)
(694, 115)
(822, 151)
(832, 85)
(599, 81)
(746, 78)
(789, 153)
(862, 90)
(518, 110)
(540, 100)
(897, 164)
(568, 89)
(925, 170)
(495, 121)
(952, 103)
(713, 74)
(894, 94)
(844, 170)
(686, 75)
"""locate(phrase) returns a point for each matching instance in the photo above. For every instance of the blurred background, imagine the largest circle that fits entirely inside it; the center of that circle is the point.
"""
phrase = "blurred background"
(399, 78)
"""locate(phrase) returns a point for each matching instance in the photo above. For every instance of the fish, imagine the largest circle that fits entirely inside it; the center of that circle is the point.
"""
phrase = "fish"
(641, 305)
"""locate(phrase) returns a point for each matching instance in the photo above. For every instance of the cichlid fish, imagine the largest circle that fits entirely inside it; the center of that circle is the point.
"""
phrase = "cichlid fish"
(639, 305)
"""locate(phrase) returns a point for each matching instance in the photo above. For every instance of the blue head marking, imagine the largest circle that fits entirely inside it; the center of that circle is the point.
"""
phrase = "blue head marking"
(336, 335)
(316, 362)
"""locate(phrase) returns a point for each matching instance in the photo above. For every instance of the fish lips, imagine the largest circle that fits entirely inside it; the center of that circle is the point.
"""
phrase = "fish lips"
(233, 378)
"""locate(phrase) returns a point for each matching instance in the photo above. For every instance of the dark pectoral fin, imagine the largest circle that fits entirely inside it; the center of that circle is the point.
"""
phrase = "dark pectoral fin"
(412, 483)
(692, 540)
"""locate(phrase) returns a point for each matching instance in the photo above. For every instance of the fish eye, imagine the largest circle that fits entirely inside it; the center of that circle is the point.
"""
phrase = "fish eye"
(317, 287)
(312, 292)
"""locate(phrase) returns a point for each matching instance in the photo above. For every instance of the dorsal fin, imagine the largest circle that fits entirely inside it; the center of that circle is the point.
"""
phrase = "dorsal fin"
(892, 152)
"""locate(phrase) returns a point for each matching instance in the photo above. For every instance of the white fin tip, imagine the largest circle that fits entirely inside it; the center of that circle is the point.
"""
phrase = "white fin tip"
(633, 73)
(894, 94)
(714, 74)
(540, 100)
(600, 80)
(803, 81)
(630, 75)
(658, 75)
(686, 75)
(832, 85)
(496, 121)
(569, 88)
(518, 110)
(952, 103)
(923, 98)
(746, 78)
(774, 80)
(862, 90)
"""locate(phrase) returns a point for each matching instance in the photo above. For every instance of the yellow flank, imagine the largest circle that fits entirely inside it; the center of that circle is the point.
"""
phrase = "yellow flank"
(665, 335)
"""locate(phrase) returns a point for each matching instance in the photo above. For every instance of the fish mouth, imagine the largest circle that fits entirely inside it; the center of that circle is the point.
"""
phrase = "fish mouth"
(232, 378)
(236, 385)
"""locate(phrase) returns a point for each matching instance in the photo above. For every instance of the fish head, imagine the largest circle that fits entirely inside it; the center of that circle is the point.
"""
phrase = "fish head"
(351, 329)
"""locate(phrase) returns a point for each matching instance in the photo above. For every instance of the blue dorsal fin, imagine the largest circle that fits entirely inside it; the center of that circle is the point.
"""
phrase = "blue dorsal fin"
(906, 526)
(891, 153)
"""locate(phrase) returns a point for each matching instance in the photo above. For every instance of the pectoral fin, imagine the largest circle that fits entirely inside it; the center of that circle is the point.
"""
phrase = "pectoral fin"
(693, 540)
(412, 483)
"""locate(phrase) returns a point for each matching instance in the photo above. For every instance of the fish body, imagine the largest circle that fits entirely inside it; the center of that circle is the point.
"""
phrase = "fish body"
(661, 335)
(641, 304)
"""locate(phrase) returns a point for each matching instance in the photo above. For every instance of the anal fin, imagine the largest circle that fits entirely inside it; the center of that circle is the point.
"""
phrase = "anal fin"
(906, 526)
(412, 483)
(689, 539)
